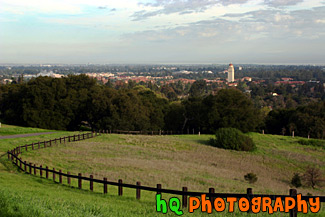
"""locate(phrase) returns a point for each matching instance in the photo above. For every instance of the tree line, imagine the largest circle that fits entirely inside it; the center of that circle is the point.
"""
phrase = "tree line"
(73, 101)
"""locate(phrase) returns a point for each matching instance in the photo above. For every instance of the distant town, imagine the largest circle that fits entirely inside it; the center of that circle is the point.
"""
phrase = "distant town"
(269, 85)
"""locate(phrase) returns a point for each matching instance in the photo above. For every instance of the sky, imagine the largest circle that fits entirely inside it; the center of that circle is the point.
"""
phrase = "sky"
(162, 31)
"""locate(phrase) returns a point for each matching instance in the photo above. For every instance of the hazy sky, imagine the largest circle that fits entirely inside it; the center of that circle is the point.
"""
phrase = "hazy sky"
(162, 31)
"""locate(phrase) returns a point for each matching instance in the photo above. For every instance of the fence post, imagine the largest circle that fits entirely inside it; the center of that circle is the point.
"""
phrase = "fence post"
(25, 166)
(54, 174)
(35, 169)
(69, 138)
(184, 197)
(44, 144)
(41, 171)
(105, 186)
(26, 147)
(293, 194)
(30, 168)
(74, 138)
(91, 183)
(69, 179)
(158, 187)
(16, 160)
(19, 149)
(8, 155)
(39, 145)
(138, 192)
(20, 163)
(249, 197)
(120, 187)
(50, 142)
(60, 176)
(211, 191)
(79, 181)
(78, 137)
(47, 172)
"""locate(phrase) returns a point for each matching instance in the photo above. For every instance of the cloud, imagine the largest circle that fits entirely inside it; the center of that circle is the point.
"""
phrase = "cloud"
(281, 3)
(180, 6)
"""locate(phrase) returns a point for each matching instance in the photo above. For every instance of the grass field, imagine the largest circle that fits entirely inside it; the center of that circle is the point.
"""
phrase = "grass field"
(173, 161)
(6, 130)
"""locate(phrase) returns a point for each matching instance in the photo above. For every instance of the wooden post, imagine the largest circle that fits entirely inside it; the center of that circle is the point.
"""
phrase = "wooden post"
(30, 168)
(83, 136)
(79, 181)
(8, 155)
(54, 174)
(105, 186)
(78, 137)
(293, 134)
(263, 132)
(16, 160)
(184, 197)
(20, 163)
(68, 178)
(249, 197)
(60, 140)
(47, 172)
(120, 187)
(41, 171)
(74, 138)
(25, 166)
(91, 183)
(158, 187)
(159, 132)
(211, 191)
(293, 212)
(19, 149)
(50, 142)
(64, 139)
(35, 169)
(60, 176)
(44, 144)
(138, 192)
(69, 138)
(26, 147)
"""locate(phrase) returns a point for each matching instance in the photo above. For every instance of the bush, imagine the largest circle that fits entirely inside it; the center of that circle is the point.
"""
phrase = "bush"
(234, 139)
(250, 177)
(313, 177)
(296, 180)
(312, 142)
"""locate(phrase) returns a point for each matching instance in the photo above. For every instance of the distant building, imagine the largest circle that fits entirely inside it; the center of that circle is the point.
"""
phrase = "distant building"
(231, 73)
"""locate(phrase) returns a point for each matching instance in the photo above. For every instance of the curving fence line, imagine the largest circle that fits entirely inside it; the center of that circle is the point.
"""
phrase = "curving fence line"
(30, 168)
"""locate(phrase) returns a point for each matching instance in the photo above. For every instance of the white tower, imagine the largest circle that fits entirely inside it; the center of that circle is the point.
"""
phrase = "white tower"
(231, 73)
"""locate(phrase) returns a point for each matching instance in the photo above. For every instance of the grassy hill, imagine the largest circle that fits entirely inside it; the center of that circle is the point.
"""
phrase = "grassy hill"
(173, 161)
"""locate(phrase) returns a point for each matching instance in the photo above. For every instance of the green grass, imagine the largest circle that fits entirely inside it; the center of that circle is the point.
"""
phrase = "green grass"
(6, 130)
(202, 167)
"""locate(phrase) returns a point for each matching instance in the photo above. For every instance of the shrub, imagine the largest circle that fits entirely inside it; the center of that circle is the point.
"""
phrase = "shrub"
(312, 142)
(296, 180)
(313, 177)
(250, 177)
(234, 139)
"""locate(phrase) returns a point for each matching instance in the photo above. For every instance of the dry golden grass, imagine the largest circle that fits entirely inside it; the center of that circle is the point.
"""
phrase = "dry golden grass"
(177, 161)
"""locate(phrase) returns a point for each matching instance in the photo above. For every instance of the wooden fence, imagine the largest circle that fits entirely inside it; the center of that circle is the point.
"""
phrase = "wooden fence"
(149, 132)
(31, 168)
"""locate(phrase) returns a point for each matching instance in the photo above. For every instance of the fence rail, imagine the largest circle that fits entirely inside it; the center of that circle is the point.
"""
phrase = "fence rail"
(31, 168)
